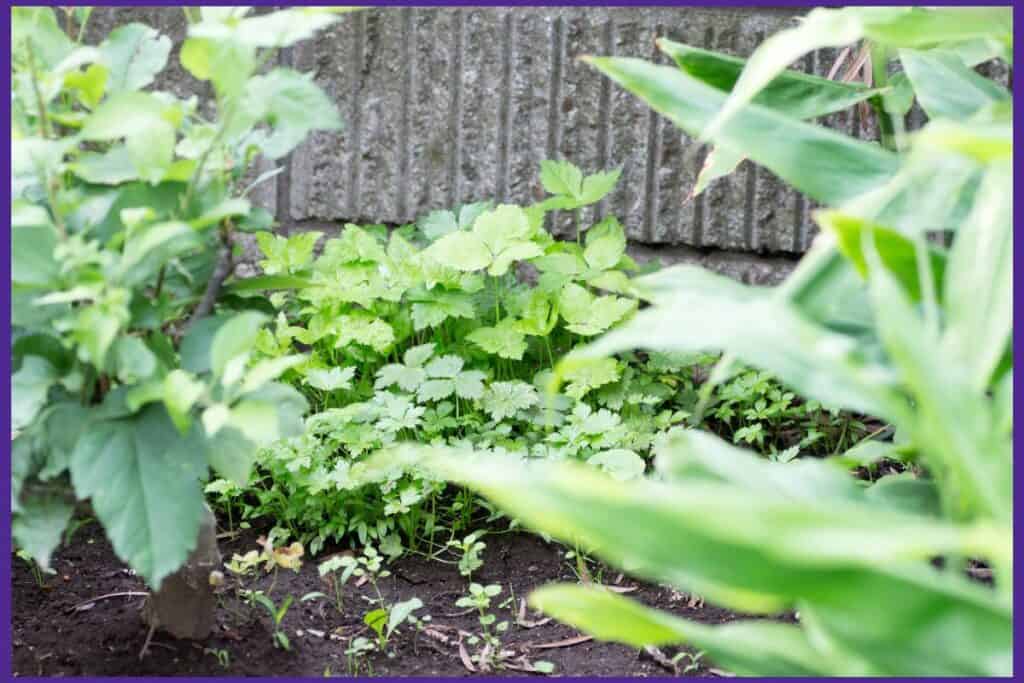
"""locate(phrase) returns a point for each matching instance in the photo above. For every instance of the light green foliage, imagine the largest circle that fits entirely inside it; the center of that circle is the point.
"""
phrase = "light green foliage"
(123, 198)
(464, 358)
(875, 319)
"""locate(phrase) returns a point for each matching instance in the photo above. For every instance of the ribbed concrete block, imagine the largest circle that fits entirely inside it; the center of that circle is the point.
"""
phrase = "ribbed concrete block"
(445, 106)
(450, 105)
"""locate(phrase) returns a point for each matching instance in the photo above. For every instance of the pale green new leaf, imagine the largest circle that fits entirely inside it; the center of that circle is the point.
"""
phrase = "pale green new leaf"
(747, 648)
(589, 315)
(276, 29)
(134, 54)
(948, 88)
(605, 245)
(503, 400)
(504, 339)
(464, 251)
(561, 178)
(133, 360)
(720, 315)
(330, 379)
(621, 463)
(826, 165)
(234, 340)
(181, 391)
(286, 255)
(29, 388)
(955, 430)
(292, 104)
(979, 283)
(583, 375)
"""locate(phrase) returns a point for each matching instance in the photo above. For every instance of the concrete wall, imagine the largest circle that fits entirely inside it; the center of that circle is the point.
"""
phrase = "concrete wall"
(451, 105)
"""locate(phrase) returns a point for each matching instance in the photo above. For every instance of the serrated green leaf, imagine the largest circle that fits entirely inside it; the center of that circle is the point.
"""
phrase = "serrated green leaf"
(416, 356)
(588, 374)
(597, 185)
(234, 339)
(588, 315)
(444, 366)
(504, 339)
(292, 104)
(561, 178)
(621, 463)
(435, 389)
(38, 525)
(330, 379)
(134, 54)
(152, 246)
(460, 250)
(143, 479)
(606, 244)
(406, 377)
(470, 384)
(503, 400)
(29, 388)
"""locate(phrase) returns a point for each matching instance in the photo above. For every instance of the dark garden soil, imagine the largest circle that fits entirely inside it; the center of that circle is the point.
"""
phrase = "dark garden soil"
(64, 630)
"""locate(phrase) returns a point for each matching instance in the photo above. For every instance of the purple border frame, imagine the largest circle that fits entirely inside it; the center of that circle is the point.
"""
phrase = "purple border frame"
(5, 254)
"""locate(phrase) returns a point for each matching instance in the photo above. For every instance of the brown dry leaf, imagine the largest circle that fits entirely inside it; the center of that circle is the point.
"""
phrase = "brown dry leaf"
(464, 656)
(290, 557)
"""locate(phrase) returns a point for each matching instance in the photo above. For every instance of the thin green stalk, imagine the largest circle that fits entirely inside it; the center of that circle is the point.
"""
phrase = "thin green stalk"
(880, 78)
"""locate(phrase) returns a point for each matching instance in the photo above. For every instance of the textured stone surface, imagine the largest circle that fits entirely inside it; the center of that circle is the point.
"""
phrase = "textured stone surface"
(451, 105)
(444, 106)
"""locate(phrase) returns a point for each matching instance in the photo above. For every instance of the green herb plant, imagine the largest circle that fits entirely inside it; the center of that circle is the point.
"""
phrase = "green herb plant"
(445, 331)
(488, 641)
(877, 319)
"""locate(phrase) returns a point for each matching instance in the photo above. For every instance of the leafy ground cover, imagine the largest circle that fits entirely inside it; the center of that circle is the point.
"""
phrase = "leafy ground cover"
(405, 337)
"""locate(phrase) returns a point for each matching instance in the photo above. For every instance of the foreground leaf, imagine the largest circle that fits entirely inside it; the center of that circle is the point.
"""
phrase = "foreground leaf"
(142, 477)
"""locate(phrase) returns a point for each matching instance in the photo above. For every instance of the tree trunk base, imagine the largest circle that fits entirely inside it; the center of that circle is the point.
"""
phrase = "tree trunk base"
(185, 604)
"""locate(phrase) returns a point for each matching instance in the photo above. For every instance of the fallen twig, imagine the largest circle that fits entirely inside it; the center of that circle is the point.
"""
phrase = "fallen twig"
(464, 656)
(568, 642)
(124, 594)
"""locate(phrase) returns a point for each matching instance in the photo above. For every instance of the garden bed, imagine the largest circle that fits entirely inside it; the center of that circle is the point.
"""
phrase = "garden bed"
(55, 631)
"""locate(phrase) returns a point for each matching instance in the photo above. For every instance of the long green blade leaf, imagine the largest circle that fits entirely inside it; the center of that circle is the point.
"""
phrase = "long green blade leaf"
(826, 165)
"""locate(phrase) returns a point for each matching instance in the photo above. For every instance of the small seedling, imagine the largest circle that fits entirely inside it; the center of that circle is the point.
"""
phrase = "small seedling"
(689, 661)
(222, 655)
(469, 550)
(37, 571)
(277, 613)
(385, 620)
(358, 648)
(490, 653)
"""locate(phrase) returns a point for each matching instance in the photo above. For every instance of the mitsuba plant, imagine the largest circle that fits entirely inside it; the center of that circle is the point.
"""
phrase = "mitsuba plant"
(877, 319)
(133, 375)
(444, 330)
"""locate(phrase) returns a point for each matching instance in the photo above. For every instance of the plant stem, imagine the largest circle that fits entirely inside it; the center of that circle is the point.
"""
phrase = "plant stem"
(880, 77)
(44, 120)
